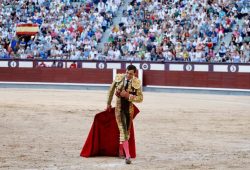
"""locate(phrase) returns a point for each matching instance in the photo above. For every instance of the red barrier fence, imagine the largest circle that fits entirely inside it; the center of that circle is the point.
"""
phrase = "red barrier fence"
(197, 79)
(150, 77)
(56, 75)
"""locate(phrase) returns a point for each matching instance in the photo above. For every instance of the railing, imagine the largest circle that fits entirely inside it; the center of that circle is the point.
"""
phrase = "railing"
(144, 65)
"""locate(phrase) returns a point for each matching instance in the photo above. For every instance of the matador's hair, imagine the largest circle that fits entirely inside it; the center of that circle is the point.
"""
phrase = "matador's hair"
(131, 67)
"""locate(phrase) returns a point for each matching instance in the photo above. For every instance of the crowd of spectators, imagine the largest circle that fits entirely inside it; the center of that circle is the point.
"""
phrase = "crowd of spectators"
(187, 30)
(67, 30)
(149, 30)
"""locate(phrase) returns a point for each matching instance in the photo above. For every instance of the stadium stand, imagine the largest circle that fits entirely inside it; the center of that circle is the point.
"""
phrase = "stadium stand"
(148, 30)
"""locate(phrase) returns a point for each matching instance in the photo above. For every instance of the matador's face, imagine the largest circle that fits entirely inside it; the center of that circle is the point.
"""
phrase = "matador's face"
(130, 74)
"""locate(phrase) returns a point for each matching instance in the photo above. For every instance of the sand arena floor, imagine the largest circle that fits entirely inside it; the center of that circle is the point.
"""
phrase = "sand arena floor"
(46, 129)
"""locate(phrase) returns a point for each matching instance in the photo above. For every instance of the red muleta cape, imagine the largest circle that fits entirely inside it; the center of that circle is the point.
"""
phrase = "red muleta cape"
(103, 138)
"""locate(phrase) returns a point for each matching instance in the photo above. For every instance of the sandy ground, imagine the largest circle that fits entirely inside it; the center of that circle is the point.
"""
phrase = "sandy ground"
(46, 129)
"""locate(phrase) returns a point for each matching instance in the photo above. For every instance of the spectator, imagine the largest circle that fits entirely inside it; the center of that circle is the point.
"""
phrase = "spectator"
(42, 64)
(73, 65)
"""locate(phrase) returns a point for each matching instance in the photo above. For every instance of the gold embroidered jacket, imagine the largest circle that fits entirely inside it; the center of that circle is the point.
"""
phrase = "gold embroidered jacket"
(133, 88)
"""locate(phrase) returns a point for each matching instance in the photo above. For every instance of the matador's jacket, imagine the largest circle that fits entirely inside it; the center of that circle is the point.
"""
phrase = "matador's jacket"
(124, 110)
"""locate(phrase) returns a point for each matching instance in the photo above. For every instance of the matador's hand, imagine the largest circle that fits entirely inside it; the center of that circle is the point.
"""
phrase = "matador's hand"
(117, 93)
(124, 94)
(109, 108)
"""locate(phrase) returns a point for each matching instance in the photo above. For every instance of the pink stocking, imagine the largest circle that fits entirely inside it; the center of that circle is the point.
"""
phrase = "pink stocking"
(126, 148)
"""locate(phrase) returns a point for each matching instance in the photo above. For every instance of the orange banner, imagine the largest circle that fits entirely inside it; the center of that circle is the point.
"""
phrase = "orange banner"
(27, 29)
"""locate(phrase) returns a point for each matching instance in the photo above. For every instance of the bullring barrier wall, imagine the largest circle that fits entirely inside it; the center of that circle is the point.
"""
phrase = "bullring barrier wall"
(179, 74)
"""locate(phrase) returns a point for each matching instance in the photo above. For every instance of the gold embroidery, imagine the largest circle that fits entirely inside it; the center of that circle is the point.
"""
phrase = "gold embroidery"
(111, 93)
(138, 97)
(136, 83)
(119, 77)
